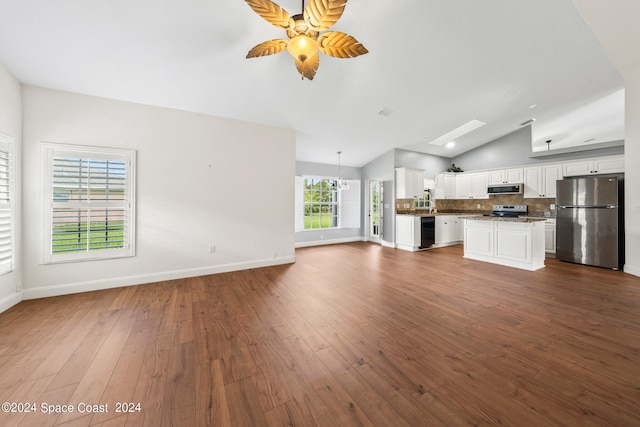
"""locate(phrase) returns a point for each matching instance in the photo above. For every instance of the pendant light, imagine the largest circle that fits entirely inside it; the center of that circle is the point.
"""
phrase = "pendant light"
(342, 185)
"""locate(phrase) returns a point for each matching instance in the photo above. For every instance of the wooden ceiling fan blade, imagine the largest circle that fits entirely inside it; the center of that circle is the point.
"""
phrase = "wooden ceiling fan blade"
(320, 15)
(272, 13)
(340, 45)
(308, 68)
(270, 47)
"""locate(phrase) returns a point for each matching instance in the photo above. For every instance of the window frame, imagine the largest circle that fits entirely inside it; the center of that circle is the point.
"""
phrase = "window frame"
(49, 151)
(335, 203)
(7, 144)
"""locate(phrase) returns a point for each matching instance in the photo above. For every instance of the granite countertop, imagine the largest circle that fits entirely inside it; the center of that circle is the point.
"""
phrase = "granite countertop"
(479, 215)
(433, 214)
(502, 219)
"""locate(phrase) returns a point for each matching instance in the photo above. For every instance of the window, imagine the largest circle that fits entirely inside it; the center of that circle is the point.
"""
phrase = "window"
(6, 204)
(320, 203)
(89, 203)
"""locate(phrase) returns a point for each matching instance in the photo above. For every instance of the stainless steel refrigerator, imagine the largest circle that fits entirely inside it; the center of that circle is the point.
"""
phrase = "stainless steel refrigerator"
(590, 220)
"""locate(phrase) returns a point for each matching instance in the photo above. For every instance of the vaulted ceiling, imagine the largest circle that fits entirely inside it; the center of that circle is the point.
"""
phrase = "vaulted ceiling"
(432, 66)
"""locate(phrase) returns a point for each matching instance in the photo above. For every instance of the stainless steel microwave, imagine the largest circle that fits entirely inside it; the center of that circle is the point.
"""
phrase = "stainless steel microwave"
(505, 189)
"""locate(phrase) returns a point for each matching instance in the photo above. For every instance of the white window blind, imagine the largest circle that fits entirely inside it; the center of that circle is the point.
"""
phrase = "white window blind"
(89, 200)
(6, 204)
(350, 205)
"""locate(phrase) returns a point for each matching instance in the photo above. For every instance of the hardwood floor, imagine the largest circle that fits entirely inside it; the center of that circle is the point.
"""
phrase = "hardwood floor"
(349, 335)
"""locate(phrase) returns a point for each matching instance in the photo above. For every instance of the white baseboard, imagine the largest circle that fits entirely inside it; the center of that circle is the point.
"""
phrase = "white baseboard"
(632, 269)
(8, 302)
(328, 242)
(117, 282)
(388, 244)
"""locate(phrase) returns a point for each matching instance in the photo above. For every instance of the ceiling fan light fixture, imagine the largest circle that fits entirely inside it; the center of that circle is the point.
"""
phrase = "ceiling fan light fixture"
(302, 47)
(307, 33)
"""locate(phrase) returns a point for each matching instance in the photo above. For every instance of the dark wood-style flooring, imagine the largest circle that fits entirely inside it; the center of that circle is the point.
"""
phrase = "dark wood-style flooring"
(349, 335)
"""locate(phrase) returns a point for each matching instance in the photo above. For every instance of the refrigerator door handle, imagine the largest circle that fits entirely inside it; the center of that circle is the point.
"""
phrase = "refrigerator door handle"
(587, 206)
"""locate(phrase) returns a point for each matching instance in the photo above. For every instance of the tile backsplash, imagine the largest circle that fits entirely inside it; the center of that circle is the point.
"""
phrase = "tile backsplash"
(537, 207)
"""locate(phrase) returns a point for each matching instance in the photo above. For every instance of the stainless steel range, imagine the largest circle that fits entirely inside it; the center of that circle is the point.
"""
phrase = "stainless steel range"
(508, 211)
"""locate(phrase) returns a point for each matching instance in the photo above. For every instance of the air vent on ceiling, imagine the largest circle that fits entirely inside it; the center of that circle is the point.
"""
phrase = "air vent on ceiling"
(531, 120)
(386, 112)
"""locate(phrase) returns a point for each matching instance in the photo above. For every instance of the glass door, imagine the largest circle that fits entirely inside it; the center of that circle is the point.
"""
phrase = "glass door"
(375, 210)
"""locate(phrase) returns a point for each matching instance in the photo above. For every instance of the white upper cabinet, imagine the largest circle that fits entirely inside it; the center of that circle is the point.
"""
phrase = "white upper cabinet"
(445, 186)
(598, 165)
(551, 174)
(613, 164)
(409, 183)
(472, 185)
(506, 176)
(480, 183)
(540, 181)
(464, 186)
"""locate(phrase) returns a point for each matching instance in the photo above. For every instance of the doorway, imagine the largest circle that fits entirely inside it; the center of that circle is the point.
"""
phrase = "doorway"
(376, 196)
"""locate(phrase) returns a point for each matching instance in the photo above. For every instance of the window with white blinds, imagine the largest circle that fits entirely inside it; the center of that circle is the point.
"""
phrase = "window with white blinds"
(350, 205)
(6, 204)
(89, 203)
(319, 204)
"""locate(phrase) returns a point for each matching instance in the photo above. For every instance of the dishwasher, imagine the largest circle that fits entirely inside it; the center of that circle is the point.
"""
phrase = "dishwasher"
(427, 231)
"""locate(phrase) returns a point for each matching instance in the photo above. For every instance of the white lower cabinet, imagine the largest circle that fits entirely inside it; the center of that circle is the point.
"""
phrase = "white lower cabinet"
(513, 242)
(550, 236)
(408, 232)
(449, 230)
(478, 238)
(510, 243)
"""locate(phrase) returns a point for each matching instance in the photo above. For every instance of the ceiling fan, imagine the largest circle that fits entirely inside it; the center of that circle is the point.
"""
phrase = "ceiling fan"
(304, 35)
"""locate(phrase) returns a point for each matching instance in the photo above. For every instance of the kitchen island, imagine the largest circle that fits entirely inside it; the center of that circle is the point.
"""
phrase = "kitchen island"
(514, 242)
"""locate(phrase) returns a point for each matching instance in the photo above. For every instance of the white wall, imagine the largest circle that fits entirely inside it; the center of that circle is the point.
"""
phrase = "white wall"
(632, 174)
(201, 180)
(11, 125)
(615, 24)
(383, 169)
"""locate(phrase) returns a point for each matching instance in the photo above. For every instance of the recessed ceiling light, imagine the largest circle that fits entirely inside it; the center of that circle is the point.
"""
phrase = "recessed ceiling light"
(458, 132)
(526, 122)
(533, 106)
(450, 144)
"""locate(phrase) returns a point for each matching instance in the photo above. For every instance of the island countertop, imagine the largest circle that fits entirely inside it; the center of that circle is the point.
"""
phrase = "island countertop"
(502, 219)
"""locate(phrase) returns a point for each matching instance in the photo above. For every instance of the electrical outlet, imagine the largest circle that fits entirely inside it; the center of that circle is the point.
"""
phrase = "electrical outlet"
(19, 286)
(478, 206)
(212, 249)
(274, 255)
(552, 206)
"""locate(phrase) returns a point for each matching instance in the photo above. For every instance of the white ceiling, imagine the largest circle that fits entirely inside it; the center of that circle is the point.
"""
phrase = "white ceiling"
(435, 64)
